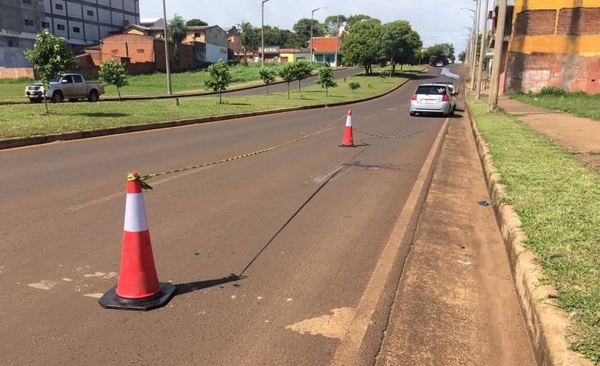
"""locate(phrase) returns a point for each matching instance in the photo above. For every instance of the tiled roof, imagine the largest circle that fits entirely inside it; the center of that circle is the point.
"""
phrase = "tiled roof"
(326, 44)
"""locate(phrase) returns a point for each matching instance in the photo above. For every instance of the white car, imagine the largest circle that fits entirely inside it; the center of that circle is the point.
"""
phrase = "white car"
(436, 97)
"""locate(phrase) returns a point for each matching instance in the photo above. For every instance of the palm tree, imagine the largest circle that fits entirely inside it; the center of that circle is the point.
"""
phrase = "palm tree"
(177, 33)
(247, 32)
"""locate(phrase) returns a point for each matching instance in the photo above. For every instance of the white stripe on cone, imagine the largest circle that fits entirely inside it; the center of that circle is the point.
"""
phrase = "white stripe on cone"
(135, 213)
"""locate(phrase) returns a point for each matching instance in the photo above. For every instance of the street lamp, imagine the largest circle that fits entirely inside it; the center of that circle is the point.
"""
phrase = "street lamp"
(167, 67)
(312, 16)
(482, 53)
(476, 27)
(472, 45)
(262, 34)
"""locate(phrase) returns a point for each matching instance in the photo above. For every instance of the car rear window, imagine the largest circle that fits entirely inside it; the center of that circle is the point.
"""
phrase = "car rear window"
(431, 89)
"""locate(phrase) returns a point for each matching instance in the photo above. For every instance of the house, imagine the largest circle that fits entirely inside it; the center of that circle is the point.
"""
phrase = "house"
(326, 49)
(551, 44)
(293, 55)
(210, 42)
(142, 53)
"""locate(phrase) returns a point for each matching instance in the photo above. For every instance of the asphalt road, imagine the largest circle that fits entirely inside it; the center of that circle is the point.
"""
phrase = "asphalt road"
(288, 250)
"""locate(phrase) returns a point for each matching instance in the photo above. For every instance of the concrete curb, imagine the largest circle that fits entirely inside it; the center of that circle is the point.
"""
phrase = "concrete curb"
(547, 324)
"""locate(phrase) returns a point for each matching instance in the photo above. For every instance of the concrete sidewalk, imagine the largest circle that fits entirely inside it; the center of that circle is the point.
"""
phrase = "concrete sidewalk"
(548, 326)
(577, 134)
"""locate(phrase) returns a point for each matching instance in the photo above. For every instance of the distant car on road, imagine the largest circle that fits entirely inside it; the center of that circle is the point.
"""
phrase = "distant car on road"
(438, 97)
(67, 86)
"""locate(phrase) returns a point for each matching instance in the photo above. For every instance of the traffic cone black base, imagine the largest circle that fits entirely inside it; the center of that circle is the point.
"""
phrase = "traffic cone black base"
(111, 300)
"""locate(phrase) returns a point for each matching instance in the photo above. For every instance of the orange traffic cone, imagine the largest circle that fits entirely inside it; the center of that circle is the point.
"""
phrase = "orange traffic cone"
(137, 287)
(347, 141)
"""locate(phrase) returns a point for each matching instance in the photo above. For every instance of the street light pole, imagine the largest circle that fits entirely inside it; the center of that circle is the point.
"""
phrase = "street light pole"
(498, 53)
(312, 16)
(167, 66)
(262, 34)
(476, 28)
(482, 52)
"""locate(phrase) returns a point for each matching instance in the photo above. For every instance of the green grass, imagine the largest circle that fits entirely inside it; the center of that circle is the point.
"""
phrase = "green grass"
(579, 104)
(557, 197)
(26, 120)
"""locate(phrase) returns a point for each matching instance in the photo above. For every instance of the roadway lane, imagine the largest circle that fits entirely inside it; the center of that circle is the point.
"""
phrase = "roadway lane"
(302, 227)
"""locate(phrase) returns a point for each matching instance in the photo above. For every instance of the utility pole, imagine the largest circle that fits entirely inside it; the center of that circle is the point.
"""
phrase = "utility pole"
(498, 48)
(262, 34)
(312, 17)
(482, 50)
(167, 66)
(476, 34)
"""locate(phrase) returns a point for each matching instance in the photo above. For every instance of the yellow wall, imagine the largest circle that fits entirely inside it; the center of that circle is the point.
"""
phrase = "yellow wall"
(584, 45)
(290, 56)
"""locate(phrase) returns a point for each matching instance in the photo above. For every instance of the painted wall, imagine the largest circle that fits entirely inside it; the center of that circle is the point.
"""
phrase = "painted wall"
(554, 44)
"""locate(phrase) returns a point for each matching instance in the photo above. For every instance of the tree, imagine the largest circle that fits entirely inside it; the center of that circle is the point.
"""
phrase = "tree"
(302, 69)
(399, 43)
(195, 23)
(302, 29)
(246, 39)
(50, 57)
(113, 73)
(288, 75)
(334, 23)
(326, 79)
(177, 32)
(218, 78)
(362, 45)
(267, 75)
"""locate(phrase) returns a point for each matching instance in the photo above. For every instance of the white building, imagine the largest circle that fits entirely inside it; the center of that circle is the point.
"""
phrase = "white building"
(80, 22)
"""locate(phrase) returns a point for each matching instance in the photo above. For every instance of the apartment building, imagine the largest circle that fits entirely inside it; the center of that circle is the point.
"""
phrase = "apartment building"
(80, 22)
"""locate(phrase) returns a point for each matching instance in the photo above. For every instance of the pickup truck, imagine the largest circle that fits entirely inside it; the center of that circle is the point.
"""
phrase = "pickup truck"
(66, 86)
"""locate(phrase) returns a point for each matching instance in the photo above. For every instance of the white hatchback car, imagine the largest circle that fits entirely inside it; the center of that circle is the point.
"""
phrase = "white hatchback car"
(436, 97)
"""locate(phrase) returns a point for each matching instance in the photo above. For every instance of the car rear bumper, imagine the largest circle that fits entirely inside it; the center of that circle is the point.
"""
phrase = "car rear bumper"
(443, 107)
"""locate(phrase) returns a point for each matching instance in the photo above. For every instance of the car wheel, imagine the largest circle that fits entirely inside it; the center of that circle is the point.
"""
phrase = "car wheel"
(57, 97)
(412, 114)
(452, 111)
(93, 97)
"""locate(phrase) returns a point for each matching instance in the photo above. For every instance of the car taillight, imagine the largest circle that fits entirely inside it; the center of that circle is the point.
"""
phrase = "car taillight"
(446, 98)
(413, 97)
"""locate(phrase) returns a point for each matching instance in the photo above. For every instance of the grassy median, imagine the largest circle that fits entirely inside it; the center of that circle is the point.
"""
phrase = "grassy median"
(26, 120)
(556, 197)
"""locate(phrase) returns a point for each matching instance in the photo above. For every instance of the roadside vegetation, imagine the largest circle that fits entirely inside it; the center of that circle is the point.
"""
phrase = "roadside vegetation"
(26, 120)
(556, 197)
(579, 104)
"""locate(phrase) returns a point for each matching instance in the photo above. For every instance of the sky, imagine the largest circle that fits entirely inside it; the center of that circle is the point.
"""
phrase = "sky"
(437, 21)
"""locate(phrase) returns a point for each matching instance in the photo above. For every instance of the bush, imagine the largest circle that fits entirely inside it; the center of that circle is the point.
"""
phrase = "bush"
(553, 90)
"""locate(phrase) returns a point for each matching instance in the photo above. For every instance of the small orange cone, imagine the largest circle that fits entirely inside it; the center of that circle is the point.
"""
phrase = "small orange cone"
(137, 287)
(347, 141)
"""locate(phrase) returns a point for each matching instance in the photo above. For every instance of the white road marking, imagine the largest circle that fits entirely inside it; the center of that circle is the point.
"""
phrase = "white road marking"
(322, 178)
(118, 195)
(43, 285)
(330, 326)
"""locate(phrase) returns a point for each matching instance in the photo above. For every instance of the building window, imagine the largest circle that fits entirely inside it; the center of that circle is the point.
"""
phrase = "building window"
(60, 27)
(196, 34)
(45, 25)
(29, 22)
(58, 7)
(90, 13)
(76, 30)
(13, 43)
